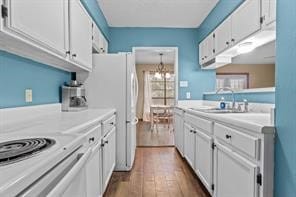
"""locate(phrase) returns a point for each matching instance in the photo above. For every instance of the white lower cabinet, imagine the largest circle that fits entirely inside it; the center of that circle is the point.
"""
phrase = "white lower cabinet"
(109, 156)
(204, 158)
(229, 161)
(234, 175)
(189, 145)
(179, 130)
(94, 172)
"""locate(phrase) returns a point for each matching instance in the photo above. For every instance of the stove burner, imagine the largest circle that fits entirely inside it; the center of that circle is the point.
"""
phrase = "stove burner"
(17, 150)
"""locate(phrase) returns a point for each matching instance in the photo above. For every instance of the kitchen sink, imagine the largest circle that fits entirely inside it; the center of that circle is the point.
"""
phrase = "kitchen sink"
(217, 110)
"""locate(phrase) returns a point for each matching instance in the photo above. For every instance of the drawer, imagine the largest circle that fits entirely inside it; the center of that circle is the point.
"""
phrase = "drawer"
(92, 135)
(178, 111)
(243, 142)
(203, 124)
(108, 124)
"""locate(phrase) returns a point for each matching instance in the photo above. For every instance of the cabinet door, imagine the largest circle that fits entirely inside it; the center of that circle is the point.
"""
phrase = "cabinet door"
(234, 175)
(103, 44)
(109, 148)
(179, 136)
(204, 158)
(268, 10)
(80, 34)
(210, 42)
(245, 20)
(201, 53)
(189, 145)
(43, 22)
(94, 172)
(223, 36)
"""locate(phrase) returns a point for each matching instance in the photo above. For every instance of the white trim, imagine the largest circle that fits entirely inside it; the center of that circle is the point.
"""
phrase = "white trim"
(176, 65)
(254, 90)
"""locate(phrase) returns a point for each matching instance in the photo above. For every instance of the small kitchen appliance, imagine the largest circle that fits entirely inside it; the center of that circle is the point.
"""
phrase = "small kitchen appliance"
(73, 97)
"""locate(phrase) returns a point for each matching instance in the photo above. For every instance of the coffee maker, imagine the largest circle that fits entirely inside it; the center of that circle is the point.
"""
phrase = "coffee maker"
(73, 96)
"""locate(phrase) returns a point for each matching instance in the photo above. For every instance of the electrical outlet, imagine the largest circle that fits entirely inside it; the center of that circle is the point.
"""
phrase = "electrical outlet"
(28, 95)
(188, 95)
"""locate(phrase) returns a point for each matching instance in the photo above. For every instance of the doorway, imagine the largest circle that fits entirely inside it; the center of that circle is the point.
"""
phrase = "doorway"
(157, 72)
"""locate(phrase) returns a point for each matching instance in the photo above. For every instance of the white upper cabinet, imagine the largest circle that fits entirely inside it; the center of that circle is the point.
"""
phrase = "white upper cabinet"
(223, 36)
(268, 11)
(207, 49)
(245, 20)
(100, 44)
(42, 22)
(80, 34)
(234, 175)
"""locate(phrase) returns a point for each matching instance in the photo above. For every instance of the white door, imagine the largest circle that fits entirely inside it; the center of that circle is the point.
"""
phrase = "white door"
(234, 175)
(223, 36)
(43, 22)
(109, 156)
(189, 145)
(94, 172)
(210, 46)
(204, 158)
(179, 133)
(132, 97)
(245, 20)
(80, 34)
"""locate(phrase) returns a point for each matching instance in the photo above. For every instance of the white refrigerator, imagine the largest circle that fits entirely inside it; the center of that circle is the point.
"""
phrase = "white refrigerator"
(113, 83)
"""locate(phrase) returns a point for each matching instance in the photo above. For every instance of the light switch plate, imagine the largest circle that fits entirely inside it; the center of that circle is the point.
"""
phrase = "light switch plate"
(28, 95)
(188, 95)
(183, 84)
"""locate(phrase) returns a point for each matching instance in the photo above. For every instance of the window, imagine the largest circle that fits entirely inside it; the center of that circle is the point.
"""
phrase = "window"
(236, 81)
(163, 89)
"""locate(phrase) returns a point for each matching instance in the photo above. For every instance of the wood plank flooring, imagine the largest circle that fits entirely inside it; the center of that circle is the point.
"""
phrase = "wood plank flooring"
(163, 137)
(157, 172)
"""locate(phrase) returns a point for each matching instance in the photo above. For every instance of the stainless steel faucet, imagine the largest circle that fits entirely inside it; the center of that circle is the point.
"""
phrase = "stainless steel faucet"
(232, 91)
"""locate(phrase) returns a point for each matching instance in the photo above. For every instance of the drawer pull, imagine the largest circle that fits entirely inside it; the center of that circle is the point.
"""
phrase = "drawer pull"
(92, 139)
(228, 136)
(111, 123)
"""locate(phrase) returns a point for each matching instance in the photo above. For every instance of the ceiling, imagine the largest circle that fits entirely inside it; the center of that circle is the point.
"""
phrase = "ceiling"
(156, 13)
(262, 55)
(151, 56)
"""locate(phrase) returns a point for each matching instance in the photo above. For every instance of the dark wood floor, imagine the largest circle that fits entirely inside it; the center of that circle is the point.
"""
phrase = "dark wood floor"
(157, 172)
(164, 136)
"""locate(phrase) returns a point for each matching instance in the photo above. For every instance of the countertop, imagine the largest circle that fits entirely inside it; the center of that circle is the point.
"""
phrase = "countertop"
(252, 121)
(56, 122)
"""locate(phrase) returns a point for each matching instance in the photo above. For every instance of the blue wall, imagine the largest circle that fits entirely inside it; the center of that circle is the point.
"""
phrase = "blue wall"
(18, 74)
(123, 39)
(97, 15)
(285, 154)
(258, 97)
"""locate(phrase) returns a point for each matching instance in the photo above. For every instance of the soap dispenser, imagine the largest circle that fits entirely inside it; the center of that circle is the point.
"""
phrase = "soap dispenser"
(222, 103)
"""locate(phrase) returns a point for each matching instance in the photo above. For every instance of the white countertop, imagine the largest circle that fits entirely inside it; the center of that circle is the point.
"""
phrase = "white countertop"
(19, 123)
(254, 121)
(56, 122)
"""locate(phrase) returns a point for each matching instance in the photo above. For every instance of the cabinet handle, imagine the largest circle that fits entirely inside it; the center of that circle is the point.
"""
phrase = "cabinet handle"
(232, 40)
(92, 139)
(206, 57)
(106, 142)
(227, 43)
(74, 55)
(194, 132)
(112, 123)
(228, 136)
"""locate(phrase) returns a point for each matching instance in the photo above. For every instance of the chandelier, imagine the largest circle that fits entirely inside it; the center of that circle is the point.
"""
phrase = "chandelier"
(161, 71)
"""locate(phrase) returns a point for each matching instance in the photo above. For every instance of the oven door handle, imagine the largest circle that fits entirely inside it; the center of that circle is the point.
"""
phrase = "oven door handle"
(60, 188)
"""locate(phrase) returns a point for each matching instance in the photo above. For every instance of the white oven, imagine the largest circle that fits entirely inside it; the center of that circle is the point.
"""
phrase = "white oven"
(67, 178)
